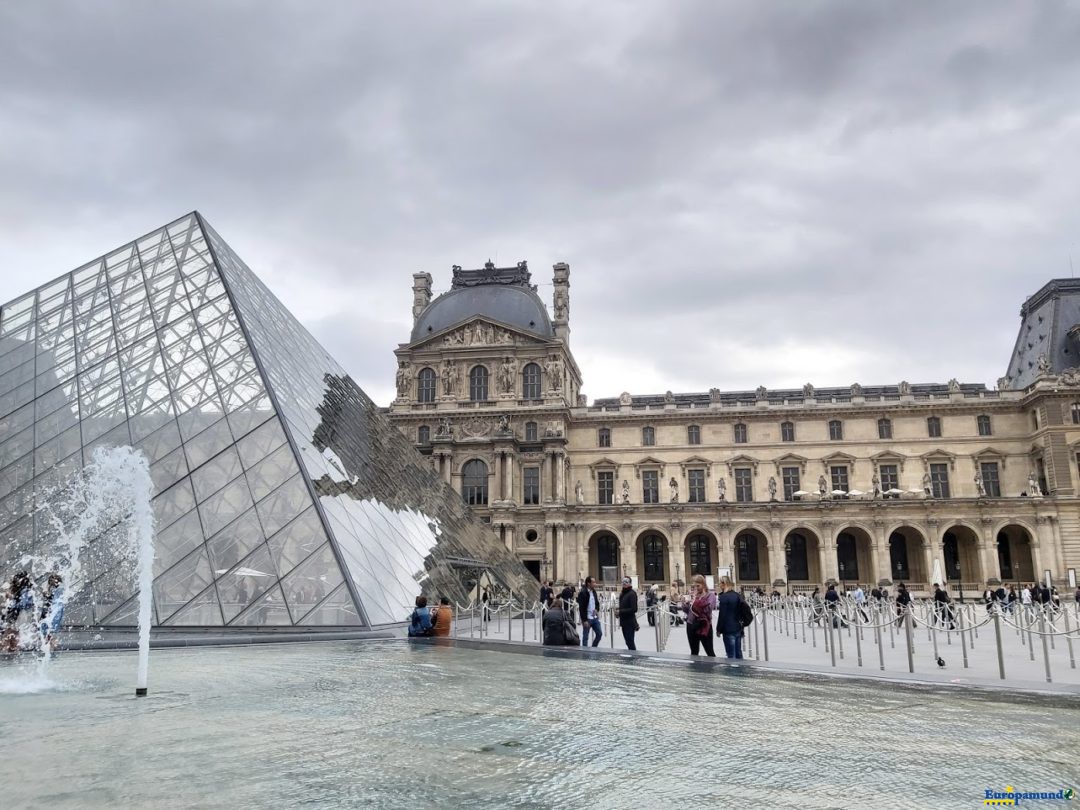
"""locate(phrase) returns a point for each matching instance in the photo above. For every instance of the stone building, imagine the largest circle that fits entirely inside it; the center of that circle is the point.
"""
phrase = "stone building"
(856, 483)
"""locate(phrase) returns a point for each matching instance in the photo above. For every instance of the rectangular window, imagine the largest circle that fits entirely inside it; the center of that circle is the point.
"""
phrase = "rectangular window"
(650, 486)
(423, 435)
(933, 427)
(787, 432)
(839, 477)
(603, 437)
(696, 479)
(890, 477)
(791, 482)
(836, 430)
(740, 433)
(531, 486)
(693, 434)
(939, 480)
(990, 478)
(744, 487)
(605, 488)
(884, 429)
(985, 428)
(648, 436)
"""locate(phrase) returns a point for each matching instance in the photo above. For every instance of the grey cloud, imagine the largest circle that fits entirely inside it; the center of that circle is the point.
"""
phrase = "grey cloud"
(722, 178)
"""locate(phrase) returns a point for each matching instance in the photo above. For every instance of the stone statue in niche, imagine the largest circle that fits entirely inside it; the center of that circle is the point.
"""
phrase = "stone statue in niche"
(954, 386)
(579, 493)
(980, 488)
(562, 303)
(772, 488)
(625, 398)
(625, 491)
(808, 391)
(446, 429)
(449, 377)
(822, 486)
(721, 489)
(905, 388)
(673, 485)
(714, 395)
(856, 390)
(669, 398)
(401, 379)
(762, 392)
(504, 424)
(927, 484)
(875, 482)
(582, 401)
(507, 375)
(1034, 490)
(553, 370)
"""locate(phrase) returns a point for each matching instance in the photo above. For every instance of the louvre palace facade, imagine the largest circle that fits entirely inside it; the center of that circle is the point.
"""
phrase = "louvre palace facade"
(787, 488)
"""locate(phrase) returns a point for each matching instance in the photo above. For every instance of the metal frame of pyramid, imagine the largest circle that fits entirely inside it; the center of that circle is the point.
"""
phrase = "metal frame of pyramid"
(284, 497)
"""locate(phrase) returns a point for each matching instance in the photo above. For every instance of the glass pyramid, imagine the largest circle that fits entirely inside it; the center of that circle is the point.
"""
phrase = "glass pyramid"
(283, 495)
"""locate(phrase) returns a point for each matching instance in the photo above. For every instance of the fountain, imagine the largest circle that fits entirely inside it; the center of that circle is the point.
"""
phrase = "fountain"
(100, 519)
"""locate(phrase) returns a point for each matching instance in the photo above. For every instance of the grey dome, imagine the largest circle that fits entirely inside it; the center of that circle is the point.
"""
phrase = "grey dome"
(511, 304)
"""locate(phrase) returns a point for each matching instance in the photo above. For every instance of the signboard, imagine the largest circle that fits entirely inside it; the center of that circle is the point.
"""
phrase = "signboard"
(1072, 577)
(710, 582)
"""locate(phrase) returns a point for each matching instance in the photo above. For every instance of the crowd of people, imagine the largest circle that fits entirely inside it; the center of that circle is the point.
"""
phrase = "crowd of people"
(702, 612)
(28, 610)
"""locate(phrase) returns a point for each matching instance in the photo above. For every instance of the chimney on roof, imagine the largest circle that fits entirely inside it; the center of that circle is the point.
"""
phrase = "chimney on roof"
(421, 288)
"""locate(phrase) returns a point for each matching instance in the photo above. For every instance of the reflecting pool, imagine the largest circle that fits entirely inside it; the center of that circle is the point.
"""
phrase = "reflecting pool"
(386, 724)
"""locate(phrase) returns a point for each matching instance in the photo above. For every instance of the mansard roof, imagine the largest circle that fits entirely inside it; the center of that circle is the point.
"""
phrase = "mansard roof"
(791, 395)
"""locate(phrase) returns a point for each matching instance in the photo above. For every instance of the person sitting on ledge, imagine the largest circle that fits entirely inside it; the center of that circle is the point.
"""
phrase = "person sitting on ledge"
(420, 621)
(442, 617)
(558, 627)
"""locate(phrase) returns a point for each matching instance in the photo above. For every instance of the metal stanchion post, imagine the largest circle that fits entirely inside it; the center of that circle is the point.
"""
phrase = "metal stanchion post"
(757, 654)
(858, 635)
(1068, 639)
(611, 626)
(830, 642)
(1031, 646)
(963, 641)
(997, 636)
(909, 633)
(880, 644)
(1046, 649)
(765, 635)
(933, 634)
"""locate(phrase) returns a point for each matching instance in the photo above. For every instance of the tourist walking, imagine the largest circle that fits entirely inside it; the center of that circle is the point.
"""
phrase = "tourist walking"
(628, 605)
(943, 611)
(589, 610)
(650, 605)
(731, 618)
(860, 602)
(832, 603)
(486, 598)
(903, 604)
(817, 610)
(699, 607)
(559, 629)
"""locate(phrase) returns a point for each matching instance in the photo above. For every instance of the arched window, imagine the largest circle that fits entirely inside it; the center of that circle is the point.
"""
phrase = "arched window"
(648, 436)
(603, 437)
(653, 554)
(693, 434)
(746, 552)
(884, 428)
(474, 482)
(787, 431)
(740, 433)
(933, 427)
(478, 384)
(983, 423)
(836, 430)
(847, 557)
(423, 435)
(700, 555)
(425, 387)
(1076, 413)
(530, 381)
(530, 431)
(795, 558)
(607, 557)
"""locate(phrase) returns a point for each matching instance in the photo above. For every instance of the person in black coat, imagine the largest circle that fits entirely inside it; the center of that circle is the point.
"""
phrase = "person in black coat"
(556, 621)
(547, 593)
(628, 604)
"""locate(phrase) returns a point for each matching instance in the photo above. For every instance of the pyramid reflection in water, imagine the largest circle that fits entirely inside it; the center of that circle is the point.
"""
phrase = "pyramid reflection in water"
(284, 497)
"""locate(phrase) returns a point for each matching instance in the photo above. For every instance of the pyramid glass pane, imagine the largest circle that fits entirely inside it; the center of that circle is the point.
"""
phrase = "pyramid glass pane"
(282, 495)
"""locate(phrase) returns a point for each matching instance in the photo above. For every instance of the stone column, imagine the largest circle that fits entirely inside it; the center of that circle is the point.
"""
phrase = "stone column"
(446, 465)
(508, 476)
(882, 560)
(988, 551)
(677, 554)
(508, 536)
(560, 477)
(545, 477)
(1043, 548)
(829, 567)
(930, 548)
(725, 549)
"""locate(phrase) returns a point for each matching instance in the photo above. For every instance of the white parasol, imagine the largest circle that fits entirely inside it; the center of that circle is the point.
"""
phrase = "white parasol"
(939, 575)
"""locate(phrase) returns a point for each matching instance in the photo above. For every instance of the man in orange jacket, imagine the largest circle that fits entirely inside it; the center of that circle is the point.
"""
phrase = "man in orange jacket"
(442, 618)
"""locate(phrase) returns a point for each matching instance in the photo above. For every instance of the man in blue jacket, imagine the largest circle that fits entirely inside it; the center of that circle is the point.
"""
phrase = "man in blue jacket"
(729, 619)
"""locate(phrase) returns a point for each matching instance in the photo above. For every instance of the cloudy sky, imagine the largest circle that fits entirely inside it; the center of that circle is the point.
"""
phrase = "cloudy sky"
(747, 193)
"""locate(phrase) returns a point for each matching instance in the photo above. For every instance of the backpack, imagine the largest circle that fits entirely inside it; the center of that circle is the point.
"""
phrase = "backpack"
(746, 614)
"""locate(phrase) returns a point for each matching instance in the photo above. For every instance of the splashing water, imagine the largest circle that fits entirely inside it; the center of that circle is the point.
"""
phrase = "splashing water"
(94, 539)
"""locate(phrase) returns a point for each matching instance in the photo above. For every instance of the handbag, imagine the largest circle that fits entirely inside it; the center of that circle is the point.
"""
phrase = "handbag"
(570, 633)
